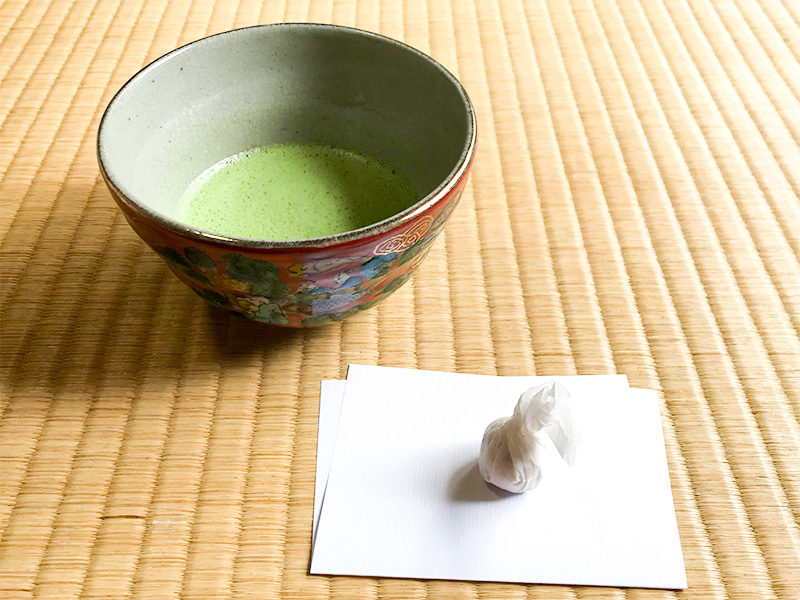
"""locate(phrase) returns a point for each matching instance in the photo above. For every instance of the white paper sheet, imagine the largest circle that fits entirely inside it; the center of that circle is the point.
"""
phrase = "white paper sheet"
(330, 406)
(404, 497)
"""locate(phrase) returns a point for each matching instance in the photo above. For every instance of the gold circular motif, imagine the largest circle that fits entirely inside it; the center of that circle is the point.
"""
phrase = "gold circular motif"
(406, 239)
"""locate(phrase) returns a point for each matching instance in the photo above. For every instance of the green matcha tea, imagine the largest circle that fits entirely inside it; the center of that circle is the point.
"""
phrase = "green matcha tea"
(294, 191)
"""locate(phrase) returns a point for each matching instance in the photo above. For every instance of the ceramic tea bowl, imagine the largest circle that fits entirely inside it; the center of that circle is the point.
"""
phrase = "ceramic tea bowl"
(288, 83)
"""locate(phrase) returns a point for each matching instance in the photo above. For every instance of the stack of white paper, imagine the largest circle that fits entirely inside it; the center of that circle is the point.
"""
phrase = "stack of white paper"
(398, 492)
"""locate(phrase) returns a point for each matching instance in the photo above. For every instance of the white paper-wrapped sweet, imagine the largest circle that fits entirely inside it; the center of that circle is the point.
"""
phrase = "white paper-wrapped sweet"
(513, 447)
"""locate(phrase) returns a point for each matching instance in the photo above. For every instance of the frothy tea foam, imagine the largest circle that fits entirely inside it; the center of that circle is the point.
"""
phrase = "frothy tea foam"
(294, 191)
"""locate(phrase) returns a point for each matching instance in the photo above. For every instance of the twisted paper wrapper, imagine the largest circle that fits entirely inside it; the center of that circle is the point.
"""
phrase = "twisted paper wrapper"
(513, 447)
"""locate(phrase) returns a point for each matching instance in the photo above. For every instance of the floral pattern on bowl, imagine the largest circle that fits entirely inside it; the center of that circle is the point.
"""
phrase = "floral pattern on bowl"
(311, 291)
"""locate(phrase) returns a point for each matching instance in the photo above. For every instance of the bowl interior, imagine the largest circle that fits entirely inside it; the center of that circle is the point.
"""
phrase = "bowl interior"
(279, 84)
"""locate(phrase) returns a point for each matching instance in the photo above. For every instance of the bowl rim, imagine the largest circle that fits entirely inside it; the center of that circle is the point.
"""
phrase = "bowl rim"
(368, 231)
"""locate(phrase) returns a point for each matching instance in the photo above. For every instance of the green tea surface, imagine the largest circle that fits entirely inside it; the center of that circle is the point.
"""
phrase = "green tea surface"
(294, 191)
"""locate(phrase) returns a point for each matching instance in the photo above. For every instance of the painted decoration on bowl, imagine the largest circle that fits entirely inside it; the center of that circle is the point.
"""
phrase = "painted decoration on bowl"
(304, 289)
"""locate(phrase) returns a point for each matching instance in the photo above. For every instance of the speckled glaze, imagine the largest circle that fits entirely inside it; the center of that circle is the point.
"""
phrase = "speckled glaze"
(293, 283)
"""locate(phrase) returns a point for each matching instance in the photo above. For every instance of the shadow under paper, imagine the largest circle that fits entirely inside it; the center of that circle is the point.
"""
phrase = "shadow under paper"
(467, 485)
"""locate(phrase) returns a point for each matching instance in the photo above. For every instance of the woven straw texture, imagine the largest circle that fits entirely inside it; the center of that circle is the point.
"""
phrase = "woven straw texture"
(633, 208)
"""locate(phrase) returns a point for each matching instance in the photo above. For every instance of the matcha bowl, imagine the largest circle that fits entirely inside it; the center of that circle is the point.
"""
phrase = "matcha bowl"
(288, 84)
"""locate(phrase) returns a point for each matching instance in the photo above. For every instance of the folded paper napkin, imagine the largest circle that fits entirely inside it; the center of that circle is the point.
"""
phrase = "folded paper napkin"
(400, 492)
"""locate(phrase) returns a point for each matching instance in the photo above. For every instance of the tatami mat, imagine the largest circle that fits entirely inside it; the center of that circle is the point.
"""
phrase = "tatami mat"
(634, 208)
